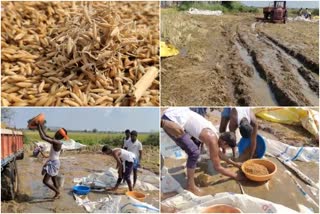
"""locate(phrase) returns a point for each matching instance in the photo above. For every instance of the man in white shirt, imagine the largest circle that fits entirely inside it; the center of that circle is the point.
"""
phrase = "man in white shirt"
(126, 138)
(134, 146)
(125, 163)
(181, 124)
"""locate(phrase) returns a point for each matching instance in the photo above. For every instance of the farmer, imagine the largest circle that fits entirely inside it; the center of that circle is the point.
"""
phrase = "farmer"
(307, 14)
(38, 150)
(125, 163)
(182, 123)
(300, 12)
(52, 166)
(134, 146)
(126, 138)
(203, 113)
(244, 119)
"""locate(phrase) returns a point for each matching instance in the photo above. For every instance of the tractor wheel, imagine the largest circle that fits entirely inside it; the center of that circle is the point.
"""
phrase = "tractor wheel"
(16, 177)
(21, 156)
(9, 181)
(285, 17)
(265, 16)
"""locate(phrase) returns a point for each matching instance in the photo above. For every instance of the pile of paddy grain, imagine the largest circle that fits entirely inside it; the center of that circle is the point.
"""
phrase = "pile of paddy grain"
(256, 169)
(80, 53)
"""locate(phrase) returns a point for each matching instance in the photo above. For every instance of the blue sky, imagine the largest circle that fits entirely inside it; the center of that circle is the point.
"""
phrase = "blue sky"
(103, 119)
(290, 4)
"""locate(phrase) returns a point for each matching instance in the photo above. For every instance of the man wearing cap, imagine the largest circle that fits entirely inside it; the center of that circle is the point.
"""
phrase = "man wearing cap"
(51, 168)
(134, 146)
(181, 124)
(244, 119)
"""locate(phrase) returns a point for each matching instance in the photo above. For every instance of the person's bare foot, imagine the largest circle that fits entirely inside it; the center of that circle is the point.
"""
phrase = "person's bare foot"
(57, 195)
(195, 190)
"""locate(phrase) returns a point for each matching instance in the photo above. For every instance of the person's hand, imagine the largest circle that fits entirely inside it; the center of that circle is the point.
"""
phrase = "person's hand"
(172, 128)
(240, 177)
(238, 164)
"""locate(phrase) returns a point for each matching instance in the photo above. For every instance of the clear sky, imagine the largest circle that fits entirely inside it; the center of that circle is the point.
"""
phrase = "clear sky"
(290, 4)
(103, 119)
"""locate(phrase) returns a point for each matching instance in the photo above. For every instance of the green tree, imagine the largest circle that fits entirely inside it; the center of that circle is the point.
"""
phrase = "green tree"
(7, 115)
(227, 4)
(152, 139)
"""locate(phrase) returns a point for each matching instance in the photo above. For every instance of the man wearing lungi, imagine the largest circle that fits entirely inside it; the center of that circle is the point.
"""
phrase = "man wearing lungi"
(51, 168)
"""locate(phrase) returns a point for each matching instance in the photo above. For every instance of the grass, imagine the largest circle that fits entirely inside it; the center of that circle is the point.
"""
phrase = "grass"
(150, 158)
(294, 12)
(90, 138)
(150, 155)
(230, 7)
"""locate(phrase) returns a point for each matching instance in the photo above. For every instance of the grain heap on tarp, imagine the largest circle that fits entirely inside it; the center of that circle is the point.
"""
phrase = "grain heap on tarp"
(80, 53)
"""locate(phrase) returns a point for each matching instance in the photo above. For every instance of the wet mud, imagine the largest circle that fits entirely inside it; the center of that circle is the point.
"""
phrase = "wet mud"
(234, 60)
(286, 76)
(34, 196)
(288, 134)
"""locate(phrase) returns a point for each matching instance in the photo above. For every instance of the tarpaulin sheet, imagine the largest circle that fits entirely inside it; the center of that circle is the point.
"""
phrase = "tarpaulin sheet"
(66, 145)
(167, 50)
(307, 118)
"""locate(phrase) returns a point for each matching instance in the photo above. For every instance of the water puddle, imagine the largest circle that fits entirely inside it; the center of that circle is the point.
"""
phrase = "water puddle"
(260, 87)
(253, 26)
(305, 89)
(184, 52)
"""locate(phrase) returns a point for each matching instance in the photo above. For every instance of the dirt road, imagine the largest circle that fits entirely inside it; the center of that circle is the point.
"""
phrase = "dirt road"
(237, 60)
(33, 195)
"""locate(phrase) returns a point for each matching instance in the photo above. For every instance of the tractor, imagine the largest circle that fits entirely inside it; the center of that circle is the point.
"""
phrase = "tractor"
(277, 13)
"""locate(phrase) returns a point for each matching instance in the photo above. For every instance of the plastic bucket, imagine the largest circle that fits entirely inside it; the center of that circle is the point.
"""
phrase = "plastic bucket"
(221, 208)
(60, 180)
(137, 195)
(39, 119)
(261, 148)
(210, 170)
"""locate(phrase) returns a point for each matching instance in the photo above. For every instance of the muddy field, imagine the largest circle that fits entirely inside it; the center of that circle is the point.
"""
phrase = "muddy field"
(274, 189)
(239, 60)
(35, 197)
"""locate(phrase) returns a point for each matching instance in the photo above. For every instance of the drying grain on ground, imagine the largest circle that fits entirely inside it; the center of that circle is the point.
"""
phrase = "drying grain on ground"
(80, 53)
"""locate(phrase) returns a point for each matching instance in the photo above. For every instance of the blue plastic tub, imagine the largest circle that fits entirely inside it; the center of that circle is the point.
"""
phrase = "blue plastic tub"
(81, 190)
(260, 149)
